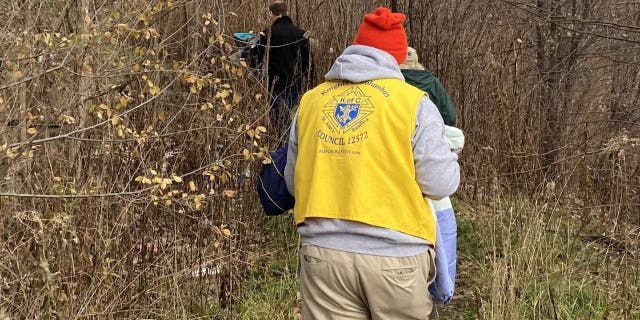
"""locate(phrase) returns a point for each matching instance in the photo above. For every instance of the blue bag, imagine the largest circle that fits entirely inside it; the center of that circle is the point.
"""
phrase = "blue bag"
(443, 287)
(272, 189)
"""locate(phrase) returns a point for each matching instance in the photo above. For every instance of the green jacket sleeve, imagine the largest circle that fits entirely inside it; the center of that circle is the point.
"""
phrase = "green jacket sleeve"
(444, 103)
(426, 81)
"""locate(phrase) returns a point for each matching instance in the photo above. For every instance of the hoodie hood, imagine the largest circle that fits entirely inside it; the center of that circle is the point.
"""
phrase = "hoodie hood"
(360, 63)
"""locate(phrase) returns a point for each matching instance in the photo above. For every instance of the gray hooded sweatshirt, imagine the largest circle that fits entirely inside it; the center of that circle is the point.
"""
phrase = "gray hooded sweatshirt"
(437, 170)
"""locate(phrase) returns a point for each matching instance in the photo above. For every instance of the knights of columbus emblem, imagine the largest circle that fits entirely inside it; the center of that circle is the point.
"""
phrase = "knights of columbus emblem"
(346, 113)
(348, 110)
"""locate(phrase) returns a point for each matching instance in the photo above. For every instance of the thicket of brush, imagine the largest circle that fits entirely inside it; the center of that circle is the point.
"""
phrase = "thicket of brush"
(130, 145)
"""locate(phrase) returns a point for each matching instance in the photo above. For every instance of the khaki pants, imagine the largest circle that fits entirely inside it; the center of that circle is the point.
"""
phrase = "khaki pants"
(342, 285)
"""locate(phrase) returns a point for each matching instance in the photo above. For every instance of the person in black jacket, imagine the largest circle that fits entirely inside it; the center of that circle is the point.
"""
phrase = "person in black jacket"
(290, 66)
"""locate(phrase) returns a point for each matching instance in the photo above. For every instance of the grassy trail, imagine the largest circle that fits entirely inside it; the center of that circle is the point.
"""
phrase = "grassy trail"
(516, 261)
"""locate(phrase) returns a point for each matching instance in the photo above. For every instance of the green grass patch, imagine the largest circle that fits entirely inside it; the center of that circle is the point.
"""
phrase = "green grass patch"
(270, 292)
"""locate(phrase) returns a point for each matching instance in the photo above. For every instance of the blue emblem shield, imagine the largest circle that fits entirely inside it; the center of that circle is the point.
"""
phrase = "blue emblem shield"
(345, 113)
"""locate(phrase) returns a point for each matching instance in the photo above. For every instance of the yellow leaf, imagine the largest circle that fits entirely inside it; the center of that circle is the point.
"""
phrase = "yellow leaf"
(177, 179)
(32, 131)
(192, 186)
(230, 193)
(165, 183)
(161, 116)
(237, 97)
(154, 90)
(154, 33)
(223, 94)
(226, 232)
(115, 120)
(224, 178)
(12, 153)
(192, 78)
(198, 200)
(122, 26)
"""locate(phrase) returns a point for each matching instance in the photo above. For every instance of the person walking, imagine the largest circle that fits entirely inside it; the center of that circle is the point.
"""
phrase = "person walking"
(364, 148)
(416, 75)
(290, 66)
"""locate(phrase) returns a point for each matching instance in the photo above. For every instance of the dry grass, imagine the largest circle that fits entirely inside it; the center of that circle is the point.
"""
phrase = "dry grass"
(129, 155)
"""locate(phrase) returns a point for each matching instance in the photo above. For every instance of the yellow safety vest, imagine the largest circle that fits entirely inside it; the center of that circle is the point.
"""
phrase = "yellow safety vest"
(355, 157)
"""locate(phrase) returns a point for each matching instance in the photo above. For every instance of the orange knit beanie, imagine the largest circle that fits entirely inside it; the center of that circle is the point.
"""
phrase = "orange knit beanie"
(383, 30)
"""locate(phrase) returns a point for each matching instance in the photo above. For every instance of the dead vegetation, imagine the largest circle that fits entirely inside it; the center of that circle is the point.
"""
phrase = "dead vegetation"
(130, 143)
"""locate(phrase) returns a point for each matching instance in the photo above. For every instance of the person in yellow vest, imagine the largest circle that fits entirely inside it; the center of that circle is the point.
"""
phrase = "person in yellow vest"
(363, 149)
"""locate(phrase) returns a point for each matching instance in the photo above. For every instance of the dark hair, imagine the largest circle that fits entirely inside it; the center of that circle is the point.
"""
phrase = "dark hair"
(278, 8)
